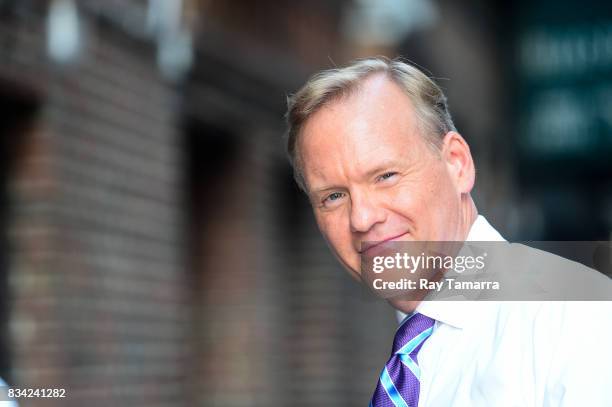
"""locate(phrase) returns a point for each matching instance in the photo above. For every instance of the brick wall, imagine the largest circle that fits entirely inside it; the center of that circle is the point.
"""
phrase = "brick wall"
(103, 299)
(278, 321)
(98, 289)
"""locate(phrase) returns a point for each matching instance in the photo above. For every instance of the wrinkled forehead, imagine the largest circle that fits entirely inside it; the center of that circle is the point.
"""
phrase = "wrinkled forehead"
(376, 123)
(376, 100)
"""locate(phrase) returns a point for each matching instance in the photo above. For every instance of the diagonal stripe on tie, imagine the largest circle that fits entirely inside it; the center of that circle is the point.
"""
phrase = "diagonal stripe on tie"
(391, 390)
(399, 382)
(411, 364)
(416, 341)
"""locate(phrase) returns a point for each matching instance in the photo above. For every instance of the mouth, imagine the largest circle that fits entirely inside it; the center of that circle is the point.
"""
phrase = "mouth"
(368, 246)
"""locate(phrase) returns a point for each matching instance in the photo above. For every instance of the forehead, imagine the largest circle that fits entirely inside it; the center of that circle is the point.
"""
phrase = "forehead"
(376, 119)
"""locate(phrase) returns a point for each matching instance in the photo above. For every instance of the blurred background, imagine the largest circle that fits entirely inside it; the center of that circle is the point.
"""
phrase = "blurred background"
(154, 248)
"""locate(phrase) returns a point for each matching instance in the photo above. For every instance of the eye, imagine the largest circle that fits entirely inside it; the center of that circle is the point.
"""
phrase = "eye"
(386, 176)
(331, 198)
(334, 196)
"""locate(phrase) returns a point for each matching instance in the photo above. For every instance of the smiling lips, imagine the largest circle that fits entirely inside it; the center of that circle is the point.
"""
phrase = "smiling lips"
(366, 246)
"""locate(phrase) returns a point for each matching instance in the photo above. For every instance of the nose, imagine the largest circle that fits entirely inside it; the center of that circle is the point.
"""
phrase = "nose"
(365, 213)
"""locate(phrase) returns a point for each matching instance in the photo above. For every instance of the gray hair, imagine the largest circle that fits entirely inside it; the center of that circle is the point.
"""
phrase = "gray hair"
(327, 86)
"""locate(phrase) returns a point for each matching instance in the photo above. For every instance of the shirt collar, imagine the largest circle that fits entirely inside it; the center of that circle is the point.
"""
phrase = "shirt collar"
(456, 311)
(482, 231)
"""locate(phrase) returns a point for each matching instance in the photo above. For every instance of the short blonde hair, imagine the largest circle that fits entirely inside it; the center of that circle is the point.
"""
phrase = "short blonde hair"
(429, 101)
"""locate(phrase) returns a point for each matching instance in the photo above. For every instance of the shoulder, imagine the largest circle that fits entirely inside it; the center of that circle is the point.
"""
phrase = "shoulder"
(563, 314)
(553, 322)
(558, 277)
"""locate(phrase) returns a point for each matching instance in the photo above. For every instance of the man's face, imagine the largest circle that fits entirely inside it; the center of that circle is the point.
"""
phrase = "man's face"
(371, 176)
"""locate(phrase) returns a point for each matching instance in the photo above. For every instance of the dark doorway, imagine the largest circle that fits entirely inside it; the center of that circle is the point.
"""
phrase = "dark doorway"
(18, 110)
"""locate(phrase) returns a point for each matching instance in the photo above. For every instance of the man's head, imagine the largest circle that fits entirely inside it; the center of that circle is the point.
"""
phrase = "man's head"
(374, 147)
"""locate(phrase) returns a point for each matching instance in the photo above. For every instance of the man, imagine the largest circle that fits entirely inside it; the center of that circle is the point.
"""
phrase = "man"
(374, 147)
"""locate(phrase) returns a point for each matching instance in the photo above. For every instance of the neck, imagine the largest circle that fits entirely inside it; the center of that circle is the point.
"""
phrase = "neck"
(468, 216)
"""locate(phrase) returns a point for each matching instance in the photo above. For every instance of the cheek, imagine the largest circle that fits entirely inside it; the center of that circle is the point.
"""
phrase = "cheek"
(330, 227)
(409, 200)
(334, 227)
(445, 191)
(422, 200)
(438, 188)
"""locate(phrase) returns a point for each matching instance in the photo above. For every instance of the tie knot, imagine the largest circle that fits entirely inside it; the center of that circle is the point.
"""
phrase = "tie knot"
(411, 334)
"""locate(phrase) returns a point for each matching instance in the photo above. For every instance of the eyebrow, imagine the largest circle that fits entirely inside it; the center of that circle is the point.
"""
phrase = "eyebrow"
(381, 168)
(370, 173)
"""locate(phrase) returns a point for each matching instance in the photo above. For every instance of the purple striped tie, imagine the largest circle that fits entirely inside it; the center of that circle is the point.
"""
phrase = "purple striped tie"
(399, 385)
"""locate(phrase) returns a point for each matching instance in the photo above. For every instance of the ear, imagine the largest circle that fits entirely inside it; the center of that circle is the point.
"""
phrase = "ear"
(458, 159)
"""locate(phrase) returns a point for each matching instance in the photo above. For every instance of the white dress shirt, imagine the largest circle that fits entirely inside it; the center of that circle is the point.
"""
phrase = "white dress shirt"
(516, 353)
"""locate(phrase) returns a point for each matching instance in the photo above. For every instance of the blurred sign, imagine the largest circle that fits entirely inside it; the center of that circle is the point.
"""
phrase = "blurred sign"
(565, 67)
